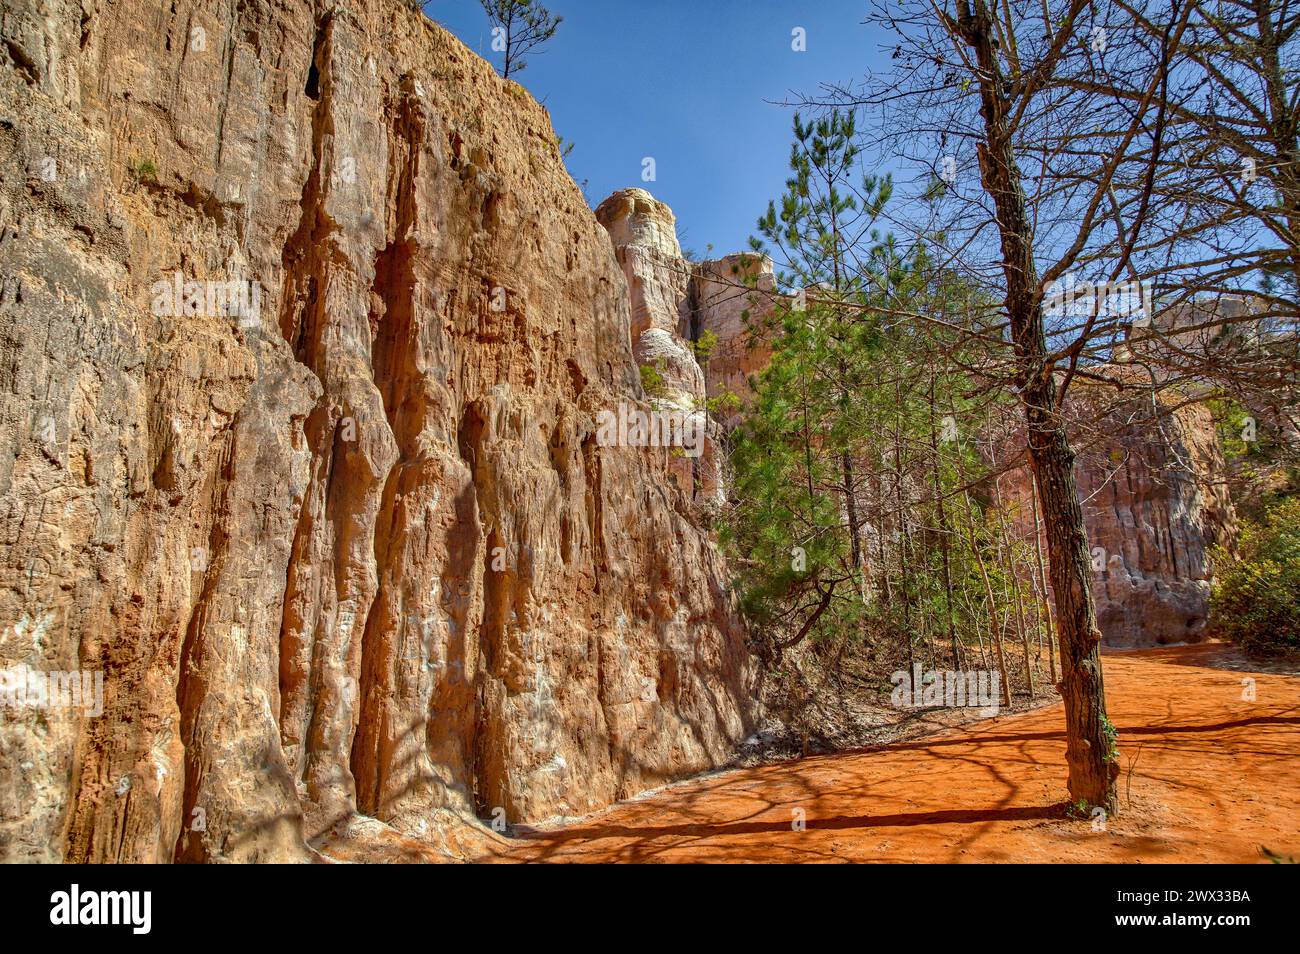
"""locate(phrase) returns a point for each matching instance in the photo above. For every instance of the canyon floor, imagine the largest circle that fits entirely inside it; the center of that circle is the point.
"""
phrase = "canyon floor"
(1208, 775)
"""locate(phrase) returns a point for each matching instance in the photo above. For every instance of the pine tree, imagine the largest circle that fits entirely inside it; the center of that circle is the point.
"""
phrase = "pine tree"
(519, 26)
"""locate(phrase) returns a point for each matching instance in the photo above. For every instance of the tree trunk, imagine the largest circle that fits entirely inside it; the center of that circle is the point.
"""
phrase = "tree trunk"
(995, 627)
(1040, 586)
(1013, 581)
(855, 534)
(1092, 766)
(1093, 770)
(941, 511)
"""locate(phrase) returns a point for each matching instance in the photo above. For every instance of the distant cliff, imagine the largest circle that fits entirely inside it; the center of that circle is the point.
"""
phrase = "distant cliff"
(1155, 503)
(676, 305)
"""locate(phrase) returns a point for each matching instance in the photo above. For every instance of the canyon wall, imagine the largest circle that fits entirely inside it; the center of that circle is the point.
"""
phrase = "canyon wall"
(304, 330)
(1155, 504)
(733, 295)
(675, 303)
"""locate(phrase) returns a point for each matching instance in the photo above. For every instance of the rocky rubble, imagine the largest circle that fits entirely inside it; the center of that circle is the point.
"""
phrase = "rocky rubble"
(339, 536)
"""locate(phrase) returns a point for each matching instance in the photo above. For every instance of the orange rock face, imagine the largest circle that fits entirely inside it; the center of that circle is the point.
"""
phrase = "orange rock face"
(339, 536)
(1154, 504)
(732, 293)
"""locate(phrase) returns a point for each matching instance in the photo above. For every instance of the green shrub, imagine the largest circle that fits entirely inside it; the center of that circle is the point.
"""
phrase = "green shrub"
(1256, 598)
(145, 170)
(724, 404)
(652, 381)
(704, 346)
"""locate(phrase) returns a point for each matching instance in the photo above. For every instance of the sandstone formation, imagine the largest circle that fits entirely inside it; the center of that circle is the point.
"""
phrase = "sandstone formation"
(731, 293)
(644, 233)
(675, 302)
(342, 543)
(1155, 504)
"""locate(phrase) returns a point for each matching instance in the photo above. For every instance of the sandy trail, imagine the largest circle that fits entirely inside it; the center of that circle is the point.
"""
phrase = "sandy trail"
(1214, 776)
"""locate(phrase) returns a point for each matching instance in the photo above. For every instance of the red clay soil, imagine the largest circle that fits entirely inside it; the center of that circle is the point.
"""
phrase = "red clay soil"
(1214, 777)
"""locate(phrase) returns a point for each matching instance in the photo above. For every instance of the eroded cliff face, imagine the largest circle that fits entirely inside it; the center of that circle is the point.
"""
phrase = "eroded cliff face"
(1155, 504)
(733, 296)
(675, 304)
(344, 547)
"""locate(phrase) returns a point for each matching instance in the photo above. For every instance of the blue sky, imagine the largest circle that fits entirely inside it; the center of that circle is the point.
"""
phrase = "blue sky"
(691, 84)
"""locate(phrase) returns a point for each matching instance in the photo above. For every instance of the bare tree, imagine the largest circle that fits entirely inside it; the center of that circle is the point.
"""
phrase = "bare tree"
(1222, 222)
(519, 26)
(1083, 126)
(980, 85)
(1069, 138)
